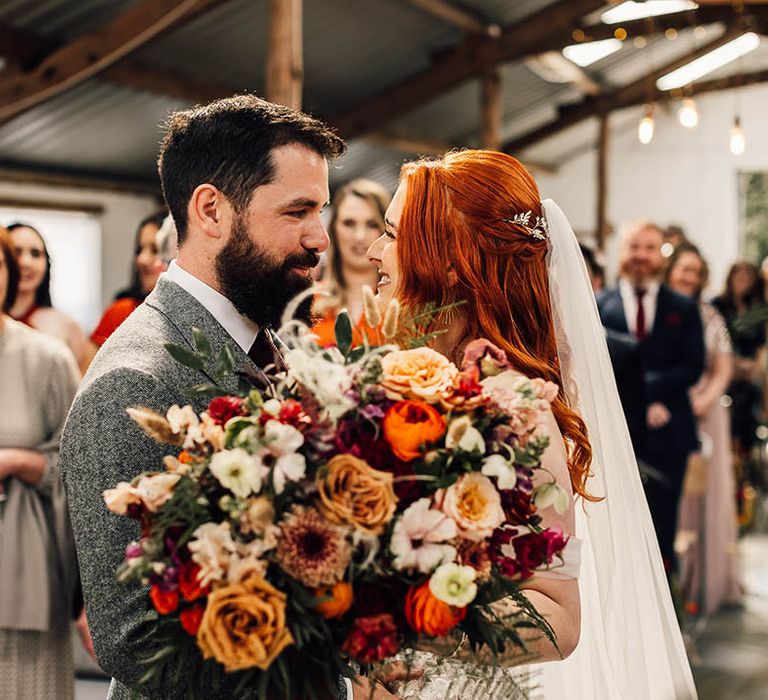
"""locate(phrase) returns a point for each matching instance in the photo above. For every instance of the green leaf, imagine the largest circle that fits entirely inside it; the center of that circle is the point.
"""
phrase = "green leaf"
(204, 390)
(185, 357)
(343, 330)
(202, 345)
(225, 362)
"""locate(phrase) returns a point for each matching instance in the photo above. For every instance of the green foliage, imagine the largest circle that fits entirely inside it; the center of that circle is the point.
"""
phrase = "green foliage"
(754, 199)
(193, 360)
(343, 330)
(225, 362)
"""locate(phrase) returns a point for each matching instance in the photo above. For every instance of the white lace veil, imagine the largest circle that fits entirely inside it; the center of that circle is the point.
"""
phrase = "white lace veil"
(630, 645)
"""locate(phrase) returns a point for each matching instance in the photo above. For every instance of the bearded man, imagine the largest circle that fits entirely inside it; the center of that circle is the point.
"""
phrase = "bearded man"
(657, 348)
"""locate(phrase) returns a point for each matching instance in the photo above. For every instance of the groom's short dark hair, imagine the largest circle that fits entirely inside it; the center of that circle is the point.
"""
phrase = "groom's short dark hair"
(228, 143)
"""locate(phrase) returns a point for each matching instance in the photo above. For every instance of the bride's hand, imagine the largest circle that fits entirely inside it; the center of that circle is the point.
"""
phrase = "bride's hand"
(385, 683)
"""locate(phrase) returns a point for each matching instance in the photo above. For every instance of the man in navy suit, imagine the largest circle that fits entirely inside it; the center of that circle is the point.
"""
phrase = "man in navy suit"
(657, 348)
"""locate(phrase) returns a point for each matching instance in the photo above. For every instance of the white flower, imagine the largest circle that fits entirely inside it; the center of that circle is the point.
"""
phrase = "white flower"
(454, 584)
(328, 381)
(238, 471)
(119, 498)
(212, 550)
(551, 494)
(281, 439)
(156, 489)
(505, 473)
(463, 435)
(181, 419)
(271, 406)
(415, 537)
(290, 467)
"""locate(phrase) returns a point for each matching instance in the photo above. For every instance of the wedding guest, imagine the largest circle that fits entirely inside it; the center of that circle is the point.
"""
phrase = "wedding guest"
(668, 330)
(594, 268)
(714, 575)
(742, 306)
(146, 269)
(33, 304)
(357, 219)
(38, 380)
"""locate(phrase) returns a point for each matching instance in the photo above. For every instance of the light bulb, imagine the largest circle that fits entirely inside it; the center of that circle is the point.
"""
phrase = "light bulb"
(646, 126)
(688, 115)
(738, 142)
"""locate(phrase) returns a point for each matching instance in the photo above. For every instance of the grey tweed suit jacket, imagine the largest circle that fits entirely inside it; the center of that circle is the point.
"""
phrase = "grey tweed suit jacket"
(101, 446)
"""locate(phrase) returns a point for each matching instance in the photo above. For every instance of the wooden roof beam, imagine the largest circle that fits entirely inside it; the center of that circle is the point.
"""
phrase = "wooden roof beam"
(459, 17)
(469, 59)
(635, 92)
(93, 53)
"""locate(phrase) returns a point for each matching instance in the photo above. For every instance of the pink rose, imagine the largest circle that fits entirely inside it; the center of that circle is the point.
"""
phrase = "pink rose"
(474, 504)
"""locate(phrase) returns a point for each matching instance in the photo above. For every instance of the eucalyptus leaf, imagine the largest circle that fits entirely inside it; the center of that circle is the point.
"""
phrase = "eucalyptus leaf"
(343, 330)
(204, 390)
(185, 357)
(225, 362)
(202, 345)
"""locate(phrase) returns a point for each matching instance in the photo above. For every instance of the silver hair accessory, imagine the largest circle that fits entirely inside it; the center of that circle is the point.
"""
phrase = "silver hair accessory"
(537, 228)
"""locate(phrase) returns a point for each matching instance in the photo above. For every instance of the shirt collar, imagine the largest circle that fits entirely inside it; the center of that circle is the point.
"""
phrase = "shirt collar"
(651, 289)
(241, 328)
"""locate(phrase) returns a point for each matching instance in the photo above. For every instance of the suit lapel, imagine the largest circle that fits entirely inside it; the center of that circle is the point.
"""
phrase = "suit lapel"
(185, 313)
(614, 309)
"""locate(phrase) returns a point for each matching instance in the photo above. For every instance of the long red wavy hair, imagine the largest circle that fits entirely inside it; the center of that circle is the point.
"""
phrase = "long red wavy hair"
(454, 220)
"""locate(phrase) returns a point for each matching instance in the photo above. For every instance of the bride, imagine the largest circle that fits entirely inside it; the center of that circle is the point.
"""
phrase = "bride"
(471, 227)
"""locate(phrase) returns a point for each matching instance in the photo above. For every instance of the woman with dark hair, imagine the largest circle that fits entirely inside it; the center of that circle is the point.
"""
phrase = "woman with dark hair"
(357, 219)
(742, 306)
(145, 270)
(711, 577)
(470, 227)
(38, 571)
(33, 302)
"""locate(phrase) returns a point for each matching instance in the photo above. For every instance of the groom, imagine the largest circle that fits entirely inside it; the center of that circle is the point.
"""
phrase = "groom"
(245, 181)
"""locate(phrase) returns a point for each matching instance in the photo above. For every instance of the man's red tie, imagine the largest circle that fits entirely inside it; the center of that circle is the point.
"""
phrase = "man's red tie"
(640, 330)
(265, 354)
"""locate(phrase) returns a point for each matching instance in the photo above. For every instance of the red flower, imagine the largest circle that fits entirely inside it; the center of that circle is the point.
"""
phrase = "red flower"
(532, 550)
(292, 413)
(372, 639)
(189, 585)
(190, 618)
(165, 601)
(222, 408)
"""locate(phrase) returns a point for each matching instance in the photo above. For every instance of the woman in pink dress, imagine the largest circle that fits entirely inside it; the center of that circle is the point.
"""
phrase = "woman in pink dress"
(714, 572)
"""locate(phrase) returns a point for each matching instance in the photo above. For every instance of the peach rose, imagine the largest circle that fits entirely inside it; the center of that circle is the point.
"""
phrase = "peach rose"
(421, 373)
(474, 504)
(244, 625)
(409, 426)
(354, 493)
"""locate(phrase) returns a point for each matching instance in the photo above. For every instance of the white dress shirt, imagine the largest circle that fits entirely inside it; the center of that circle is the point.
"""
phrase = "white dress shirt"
(242, 329)
(629, 301)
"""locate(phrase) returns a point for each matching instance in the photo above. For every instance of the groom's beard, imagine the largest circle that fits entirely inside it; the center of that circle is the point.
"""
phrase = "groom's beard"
(259, 287)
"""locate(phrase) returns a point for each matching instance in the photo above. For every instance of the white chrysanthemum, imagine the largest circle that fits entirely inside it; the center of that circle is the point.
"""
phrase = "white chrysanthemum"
(454, 584)
(463, 435)
(551, 494)
(502, 469)
(417, 535)
(238, 471)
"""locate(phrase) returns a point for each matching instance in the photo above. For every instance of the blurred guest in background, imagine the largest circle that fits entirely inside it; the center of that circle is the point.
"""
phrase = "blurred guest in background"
(33, 302)
(38, 569)
(357, 220)
(595, 269)
(146, 270)
(713, 576)
(668, 330)
(742, 306)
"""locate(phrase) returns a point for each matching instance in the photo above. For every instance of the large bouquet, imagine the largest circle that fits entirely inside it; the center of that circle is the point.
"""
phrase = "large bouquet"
(371, 497)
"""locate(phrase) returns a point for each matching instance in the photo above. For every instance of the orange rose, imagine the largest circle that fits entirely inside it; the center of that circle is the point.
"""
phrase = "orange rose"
(425, 613)
(165, 602)
(244, 625)
(409, 425)
(339, 603)
(354, 493)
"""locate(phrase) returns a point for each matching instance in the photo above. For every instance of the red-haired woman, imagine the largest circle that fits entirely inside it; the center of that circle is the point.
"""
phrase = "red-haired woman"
(471, 227)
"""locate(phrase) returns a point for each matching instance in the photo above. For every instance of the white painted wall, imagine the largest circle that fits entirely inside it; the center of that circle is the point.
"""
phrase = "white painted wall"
(685, 177)
(118, 221)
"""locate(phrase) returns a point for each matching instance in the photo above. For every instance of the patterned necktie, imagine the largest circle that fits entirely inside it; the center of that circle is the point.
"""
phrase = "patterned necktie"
(265, 354)
(640, 329)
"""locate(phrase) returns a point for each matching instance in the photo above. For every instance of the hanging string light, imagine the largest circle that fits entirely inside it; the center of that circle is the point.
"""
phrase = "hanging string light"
(647, 126)
(688, 115)
(738, 141)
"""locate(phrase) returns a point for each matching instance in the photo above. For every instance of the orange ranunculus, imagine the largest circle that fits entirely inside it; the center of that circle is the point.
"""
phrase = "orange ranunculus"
(409, 425)
(425, 613)
(354, 493)
(185, 457)
(339, 603)
(191, 618)
(165, 602)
